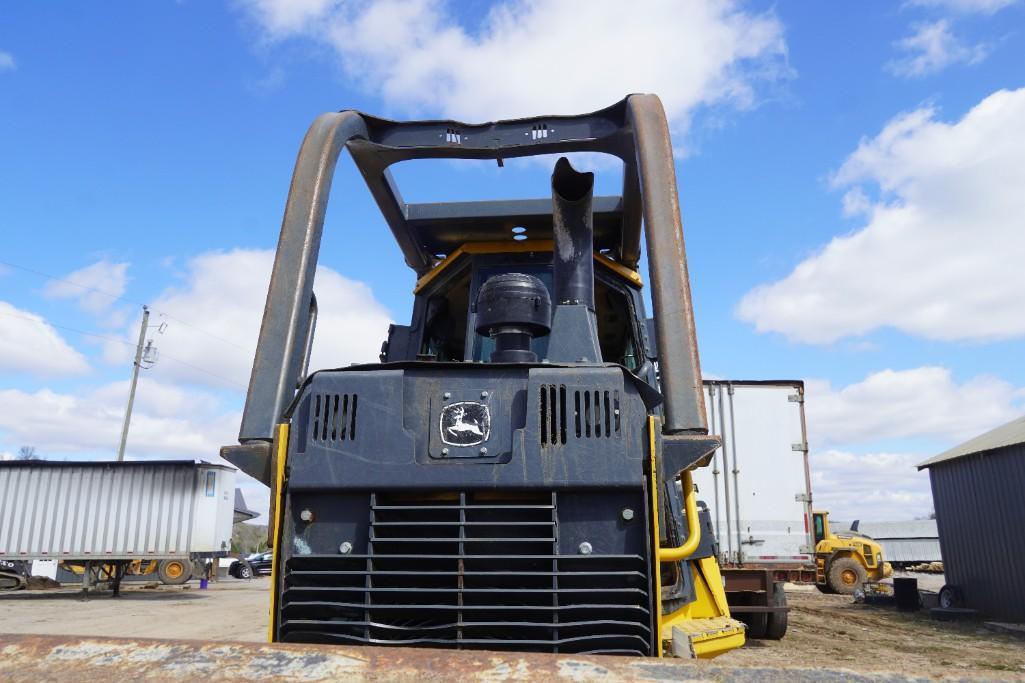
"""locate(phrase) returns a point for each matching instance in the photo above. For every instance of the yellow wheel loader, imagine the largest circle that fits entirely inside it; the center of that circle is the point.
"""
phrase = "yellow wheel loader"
(505, 477)
(845, 560)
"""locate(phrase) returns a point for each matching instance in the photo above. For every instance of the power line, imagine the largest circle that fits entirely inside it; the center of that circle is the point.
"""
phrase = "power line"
(118, 297)
(90, 288)
(164, 356)
(199, 329)
(67, 328)
(126, 343)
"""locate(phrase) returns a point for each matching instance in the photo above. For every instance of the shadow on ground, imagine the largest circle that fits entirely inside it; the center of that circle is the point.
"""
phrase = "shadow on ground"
(141, 595)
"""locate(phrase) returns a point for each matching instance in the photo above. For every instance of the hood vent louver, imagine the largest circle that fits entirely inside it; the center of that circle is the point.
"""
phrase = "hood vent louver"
(577, 414)
(334, 417)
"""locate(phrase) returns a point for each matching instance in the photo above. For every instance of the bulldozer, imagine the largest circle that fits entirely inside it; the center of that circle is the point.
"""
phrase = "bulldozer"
(505, 477)
(845, 560)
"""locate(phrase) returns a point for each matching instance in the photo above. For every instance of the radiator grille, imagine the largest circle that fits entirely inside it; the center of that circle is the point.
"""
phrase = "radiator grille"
(579, 414)
(468, 572)
(334, 417)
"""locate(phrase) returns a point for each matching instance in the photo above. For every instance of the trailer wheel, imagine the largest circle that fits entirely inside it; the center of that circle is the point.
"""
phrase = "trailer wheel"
(776, 627)
(173, 572)
(846, 575)
(756, 624)
(950, 597)
(825, 589)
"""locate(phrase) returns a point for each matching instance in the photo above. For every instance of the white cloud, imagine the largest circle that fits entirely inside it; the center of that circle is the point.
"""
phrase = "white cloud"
(932, 47)
(214, 317)
(166, 421)
(157, 399)
(530, 57)
(281, 17)
(921, 403)
(6, 61)
(269, 82)
(29, 344)
(965, 6)
(96, 287)
(856, 202)
(874, 486)
(941, 253)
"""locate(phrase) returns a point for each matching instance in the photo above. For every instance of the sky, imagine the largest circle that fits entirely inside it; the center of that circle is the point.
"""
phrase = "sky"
(850, 177)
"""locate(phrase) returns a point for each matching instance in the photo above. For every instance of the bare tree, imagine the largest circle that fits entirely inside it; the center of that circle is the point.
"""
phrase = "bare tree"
(28, 453)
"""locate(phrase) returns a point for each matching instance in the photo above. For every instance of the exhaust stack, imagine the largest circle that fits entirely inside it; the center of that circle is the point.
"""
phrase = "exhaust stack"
(573, 230)
(574, 337)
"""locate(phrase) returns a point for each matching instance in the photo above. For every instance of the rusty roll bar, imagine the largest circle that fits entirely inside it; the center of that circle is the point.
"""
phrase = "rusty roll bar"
(279, 351)
(667, 268)
(635, 130)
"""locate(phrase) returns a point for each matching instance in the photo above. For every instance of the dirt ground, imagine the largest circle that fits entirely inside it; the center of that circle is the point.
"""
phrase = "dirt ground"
(833, 630)
(824, 629)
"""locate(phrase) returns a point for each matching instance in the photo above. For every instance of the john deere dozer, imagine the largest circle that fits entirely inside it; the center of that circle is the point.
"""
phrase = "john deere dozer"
(505, 477)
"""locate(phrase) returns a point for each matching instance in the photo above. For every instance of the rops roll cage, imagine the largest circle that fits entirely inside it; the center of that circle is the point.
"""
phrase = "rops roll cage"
(634, 129)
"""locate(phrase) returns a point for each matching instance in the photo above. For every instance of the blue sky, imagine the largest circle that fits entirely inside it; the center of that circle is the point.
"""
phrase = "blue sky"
(847, 177)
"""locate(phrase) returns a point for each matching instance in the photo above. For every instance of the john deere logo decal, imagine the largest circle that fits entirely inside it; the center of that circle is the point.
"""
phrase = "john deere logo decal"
(465, 424)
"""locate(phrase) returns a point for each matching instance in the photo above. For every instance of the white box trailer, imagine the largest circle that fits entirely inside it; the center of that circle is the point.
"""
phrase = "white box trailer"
(112, 511)
(758, 486)
(758, 492)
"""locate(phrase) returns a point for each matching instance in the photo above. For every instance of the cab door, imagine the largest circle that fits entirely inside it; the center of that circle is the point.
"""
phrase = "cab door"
(820, 527)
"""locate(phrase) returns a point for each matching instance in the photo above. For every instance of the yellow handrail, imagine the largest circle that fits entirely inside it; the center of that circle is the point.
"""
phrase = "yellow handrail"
(693, 528)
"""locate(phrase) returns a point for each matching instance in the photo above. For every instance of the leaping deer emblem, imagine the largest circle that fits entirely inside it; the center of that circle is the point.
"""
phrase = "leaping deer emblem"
(459, 427)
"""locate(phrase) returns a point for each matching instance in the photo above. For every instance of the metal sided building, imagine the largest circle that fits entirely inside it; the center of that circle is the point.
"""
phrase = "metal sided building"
(980, 513)
(904, 543)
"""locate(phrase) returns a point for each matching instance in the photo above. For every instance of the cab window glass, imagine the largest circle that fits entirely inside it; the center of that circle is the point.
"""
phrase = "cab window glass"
(445, 321)
(616, 329)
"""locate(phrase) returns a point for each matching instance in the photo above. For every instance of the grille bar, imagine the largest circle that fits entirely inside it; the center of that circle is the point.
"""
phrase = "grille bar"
(406, 524)
(568, 644)
(457, 506)
(489, 624)
(467, 591)
(469, 572)
(340, 573)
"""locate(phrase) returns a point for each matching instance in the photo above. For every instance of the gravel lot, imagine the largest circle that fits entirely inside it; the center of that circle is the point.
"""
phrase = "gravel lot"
(824, 629)
(228, 610)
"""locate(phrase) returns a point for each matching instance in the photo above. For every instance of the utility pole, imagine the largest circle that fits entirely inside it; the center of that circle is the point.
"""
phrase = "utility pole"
(135, 379)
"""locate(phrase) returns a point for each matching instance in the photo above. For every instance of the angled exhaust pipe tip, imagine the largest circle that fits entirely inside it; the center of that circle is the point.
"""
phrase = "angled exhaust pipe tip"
(573, 232)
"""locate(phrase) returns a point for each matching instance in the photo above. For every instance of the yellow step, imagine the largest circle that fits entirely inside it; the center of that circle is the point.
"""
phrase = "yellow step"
(706, 637)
